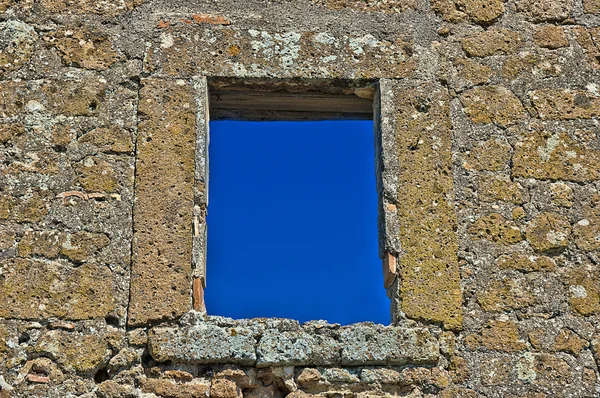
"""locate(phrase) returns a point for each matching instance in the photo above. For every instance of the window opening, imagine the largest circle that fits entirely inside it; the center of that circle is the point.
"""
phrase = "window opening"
(292, 221)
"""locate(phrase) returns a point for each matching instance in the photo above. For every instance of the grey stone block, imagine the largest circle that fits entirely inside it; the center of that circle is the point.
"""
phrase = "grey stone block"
(367, 344)
(203, 343)
(296, 348)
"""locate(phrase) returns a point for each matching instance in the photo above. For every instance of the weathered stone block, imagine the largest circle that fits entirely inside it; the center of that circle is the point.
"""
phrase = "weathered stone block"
(80, 246)
(31, 208)
(531, 65)
(544, 155)
(204, 343)
(496, 228)
(473, 72)
(526, 263)
(505, 295)
(97, 175)
(493, 104)
(492, 189)
(84, 353)
(35, 289)
(561, 194)
(387, 345)
(294, 348)
(80, 97)
(550, 36)
(171, 389)
(17, 43)
(586, 233)
(591, 6)
(589, 40)
(428, 266)
(112, 139)
(502, 336)
(491, 42)
(483, 12)
(41, 243)
(584, 291)
(387, 6)
(565, 104)
(548, 232)
(256, 53)
(82, 47)
(163, 211)
(223, 388)
(108, 9)
(490, 155)
(546, 10)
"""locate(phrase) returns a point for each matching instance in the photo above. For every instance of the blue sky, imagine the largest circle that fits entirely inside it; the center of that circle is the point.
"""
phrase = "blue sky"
(292, 222)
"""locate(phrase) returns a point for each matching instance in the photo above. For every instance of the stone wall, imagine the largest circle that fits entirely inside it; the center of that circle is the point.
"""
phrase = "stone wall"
(487, 117)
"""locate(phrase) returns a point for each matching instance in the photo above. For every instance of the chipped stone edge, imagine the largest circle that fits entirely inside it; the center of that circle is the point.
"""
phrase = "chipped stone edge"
(177, 346)
(387, 169)
(200, 229)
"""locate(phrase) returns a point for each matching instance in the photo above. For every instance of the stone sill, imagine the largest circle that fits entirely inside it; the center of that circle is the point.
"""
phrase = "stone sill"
(266, 342)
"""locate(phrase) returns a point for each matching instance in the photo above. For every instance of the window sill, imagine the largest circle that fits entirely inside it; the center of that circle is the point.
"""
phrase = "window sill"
(266, 342)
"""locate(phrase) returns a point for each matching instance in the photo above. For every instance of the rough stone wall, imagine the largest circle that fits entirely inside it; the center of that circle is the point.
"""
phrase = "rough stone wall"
(488, 163)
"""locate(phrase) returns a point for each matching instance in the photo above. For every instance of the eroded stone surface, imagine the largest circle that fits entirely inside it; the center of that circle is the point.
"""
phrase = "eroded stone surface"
(556, 156)
(264, 344)
(428, 265)
(257, 53)
(492, 41)
(162, 245)
(386, 345)
(548, 232)
(493, 104)
(36, 289)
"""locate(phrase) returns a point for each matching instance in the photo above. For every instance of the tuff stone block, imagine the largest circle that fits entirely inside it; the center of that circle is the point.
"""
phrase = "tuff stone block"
(84, 353)
(546, 10)
(296, 348)
(496, 228)
(36, 289)
(277, 54)
(526, 263)
(493, 189)
(565, 104)
(493, 104)
(204, 343)
(82, 47)
(17, 44)
(163, 212)
(107, 9)
(428, 266)
(584, 292)
(490, 155)
(550, 36)
(376, 345)
(591, 6)
(78, 97)
(491, 42)
(548, 232)
(387, 6)
(556, 156)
